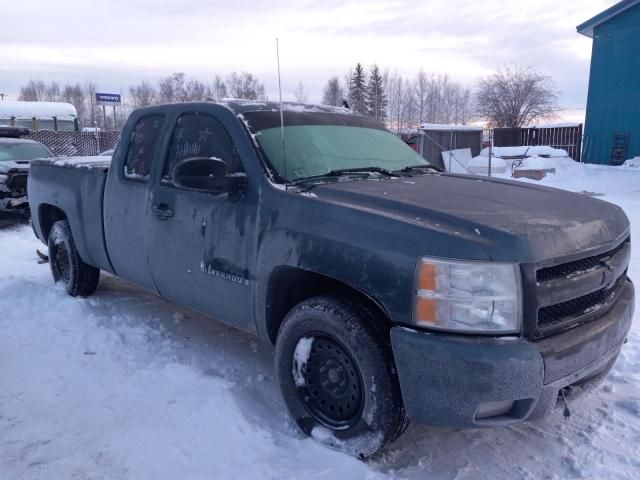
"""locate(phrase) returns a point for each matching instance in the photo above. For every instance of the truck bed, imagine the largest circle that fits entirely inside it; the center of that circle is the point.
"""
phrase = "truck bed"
(73, 185)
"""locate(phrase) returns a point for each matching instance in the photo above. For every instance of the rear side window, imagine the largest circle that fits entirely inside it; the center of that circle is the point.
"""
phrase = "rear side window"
(200, 135)
(142, 147)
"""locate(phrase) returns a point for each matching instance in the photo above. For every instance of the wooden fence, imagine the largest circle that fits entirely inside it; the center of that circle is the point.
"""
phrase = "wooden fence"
(566, 138)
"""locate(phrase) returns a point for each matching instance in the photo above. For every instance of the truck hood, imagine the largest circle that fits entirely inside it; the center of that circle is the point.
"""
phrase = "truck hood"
(7, 165)
(535, 223)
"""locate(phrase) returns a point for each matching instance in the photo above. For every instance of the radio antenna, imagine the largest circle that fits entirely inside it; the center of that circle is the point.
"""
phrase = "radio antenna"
(284, 157)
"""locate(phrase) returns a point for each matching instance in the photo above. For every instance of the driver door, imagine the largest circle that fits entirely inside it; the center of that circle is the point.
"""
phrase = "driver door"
(189, 231)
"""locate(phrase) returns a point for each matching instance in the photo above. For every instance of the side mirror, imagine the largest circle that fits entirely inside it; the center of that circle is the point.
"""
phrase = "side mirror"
(204, 174)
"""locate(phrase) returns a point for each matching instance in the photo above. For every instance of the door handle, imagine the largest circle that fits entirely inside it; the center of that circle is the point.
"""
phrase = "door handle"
(161, 210)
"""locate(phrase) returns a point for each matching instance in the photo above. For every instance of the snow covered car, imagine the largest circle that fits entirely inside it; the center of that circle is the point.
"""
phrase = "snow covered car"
(391, 290)
(15, 155)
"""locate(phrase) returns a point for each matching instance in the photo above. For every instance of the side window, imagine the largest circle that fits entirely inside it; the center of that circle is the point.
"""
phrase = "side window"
(142, 146)
(200, 135)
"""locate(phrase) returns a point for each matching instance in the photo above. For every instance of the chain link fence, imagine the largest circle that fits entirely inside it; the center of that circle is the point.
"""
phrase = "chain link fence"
(76, 144)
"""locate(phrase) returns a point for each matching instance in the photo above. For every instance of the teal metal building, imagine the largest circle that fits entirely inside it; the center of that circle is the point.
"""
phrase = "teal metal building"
(612, 126)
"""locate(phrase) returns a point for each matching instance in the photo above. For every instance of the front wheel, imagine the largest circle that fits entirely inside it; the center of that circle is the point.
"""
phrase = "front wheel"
(67, 267)
(337, 378)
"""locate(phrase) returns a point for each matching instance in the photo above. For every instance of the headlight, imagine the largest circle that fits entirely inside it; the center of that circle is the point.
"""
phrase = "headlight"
(3, 178)
(468, 297)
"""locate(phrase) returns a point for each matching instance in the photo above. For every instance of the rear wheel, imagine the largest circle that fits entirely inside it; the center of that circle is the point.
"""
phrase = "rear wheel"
(337, 378)
(67, 267)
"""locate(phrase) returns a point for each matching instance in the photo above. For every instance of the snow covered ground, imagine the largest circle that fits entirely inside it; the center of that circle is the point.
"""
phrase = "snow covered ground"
(124, 385)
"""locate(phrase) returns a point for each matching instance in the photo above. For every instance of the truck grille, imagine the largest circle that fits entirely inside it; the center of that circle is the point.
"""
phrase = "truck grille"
(576, 292)
(579, 306)
(576, 267)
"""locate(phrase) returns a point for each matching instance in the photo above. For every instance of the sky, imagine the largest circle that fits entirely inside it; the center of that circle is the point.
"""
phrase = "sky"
(121, 42)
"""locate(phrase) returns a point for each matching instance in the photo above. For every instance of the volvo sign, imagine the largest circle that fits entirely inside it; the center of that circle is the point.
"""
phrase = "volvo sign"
(108, 99)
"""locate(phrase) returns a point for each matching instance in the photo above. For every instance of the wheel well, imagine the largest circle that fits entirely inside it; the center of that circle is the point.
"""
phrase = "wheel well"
(48, 215)
(289, 286)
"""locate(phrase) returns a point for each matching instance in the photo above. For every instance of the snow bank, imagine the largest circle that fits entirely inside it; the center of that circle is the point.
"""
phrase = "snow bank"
(480, 165)
(536, 163)
(633, 163)
(522, 151)
(126, 386)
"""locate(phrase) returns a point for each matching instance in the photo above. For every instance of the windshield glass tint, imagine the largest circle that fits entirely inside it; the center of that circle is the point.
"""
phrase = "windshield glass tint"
(317, 149)
(22, 151)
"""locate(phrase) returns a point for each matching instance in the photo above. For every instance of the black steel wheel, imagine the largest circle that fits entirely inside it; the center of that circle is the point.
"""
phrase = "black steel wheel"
(332, 390)
(335, 369)
(61, 261)
(79, 278)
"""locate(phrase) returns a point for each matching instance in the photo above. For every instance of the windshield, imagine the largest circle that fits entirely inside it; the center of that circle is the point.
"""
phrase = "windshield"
(317, 149)
(22, 151)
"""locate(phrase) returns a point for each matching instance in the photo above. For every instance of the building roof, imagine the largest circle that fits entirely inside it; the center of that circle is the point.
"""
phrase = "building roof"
(587, 27)
(432, 127)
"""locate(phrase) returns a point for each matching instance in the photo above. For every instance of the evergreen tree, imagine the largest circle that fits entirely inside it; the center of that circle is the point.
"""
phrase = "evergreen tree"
(375, 96)
(357, 90)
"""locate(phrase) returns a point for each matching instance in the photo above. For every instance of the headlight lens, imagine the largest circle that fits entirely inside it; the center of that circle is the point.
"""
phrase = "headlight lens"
(3, 178)
(468, 297)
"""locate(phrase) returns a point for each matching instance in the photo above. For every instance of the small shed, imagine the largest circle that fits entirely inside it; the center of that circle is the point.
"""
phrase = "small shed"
(612, 127)
(433, 139)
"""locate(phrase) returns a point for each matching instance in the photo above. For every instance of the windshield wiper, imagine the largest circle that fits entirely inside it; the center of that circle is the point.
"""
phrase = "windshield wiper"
(364, 171)
(411, 168)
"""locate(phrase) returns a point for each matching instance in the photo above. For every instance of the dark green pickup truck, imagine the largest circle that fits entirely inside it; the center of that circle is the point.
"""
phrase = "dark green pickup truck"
(391, 290)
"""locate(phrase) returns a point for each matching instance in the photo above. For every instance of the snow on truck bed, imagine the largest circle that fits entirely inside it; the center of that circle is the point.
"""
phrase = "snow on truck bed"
(124, 385)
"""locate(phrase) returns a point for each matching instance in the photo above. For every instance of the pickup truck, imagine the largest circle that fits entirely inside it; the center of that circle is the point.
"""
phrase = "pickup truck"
(391, 290)
(15, 155)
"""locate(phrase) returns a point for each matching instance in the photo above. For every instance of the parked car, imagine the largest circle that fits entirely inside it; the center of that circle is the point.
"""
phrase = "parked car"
(392, 291)
(15, 155)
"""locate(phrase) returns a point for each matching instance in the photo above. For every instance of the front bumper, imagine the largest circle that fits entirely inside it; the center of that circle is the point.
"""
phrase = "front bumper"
(16, 207)
(465, 381)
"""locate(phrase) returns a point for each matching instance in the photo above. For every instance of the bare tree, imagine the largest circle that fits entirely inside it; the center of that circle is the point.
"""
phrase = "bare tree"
(33, 91)
(516, 96)
(395, 90)
(143, 94)
(172, 88)
(219, 89)
(194, 91)
(90, 89)
(333, 93)
(74, 94)
(301, 96)
(421, 88)
(52, 92)
(245, 86)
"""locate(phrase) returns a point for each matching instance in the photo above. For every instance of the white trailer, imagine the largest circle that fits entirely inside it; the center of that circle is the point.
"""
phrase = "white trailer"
(58, 116)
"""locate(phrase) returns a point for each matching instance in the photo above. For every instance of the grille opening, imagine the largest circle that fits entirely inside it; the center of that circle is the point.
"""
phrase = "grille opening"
(566, 269)
(579, 306)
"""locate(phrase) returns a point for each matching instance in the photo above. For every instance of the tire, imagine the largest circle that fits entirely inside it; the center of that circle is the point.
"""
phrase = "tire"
(336, 374)
(67, 267)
